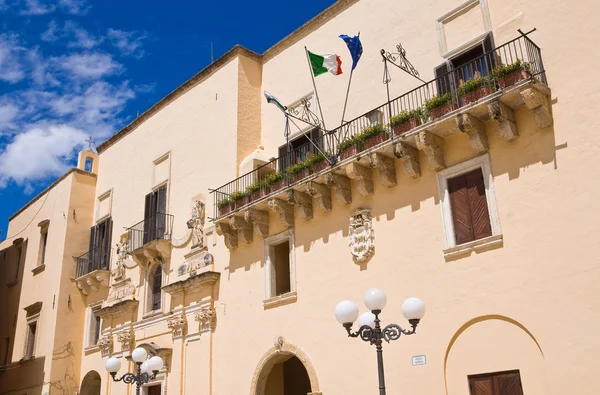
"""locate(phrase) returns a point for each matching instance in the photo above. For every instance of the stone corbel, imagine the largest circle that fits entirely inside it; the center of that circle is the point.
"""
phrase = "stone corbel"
(410, 159)
(433, 147)
(321, 193)
(472, 126)
(105, 343)
(83, 286)
(303, 201)
(538, 103)
(505, 117)
(259, 219)
(244, 228)
(387, 168)
(363, 177)
(230, 236)
(92, 283)
(207, 318)
(178, 325)
(127, 340)
(341, 186)
(285, 210)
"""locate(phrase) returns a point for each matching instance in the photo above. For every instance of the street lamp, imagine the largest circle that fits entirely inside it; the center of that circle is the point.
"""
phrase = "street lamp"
(369, 328)
(144, 367)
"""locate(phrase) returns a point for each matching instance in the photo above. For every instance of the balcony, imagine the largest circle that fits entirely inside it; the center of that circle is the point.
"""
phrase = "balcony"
(491, 86)
(92, 269)
(150, 239)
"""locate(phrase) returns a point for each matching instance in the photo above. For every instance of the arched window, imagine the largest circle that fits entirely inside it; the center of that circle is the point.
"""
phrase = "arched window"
(156, 288)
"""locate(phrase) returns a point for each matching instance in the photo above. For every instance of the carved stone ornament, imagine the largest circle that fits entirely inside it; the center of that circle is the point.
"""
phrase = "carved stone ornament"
(106, 345)
(278, 342)
(196, 224)
(126, 339)
(194, 261)
(120, 291)
(178, 325)
(360, 235)
(118, 273)
(207, 317)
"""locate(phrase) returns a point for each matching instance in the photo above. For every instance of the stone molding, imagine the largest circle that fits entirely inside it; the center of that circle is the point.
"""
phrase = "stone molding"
(472, 126)
(410, 159)
(118, 309)
(193, 283)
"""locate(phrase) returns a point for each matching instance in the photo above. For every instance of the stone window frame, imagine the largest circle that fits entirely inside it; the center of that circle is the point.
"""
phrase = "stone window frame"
(441, 31)
(42, 247)
(32, 316)
(149, 276)
(90, 313)
(160, 380)
(288, 297)
(105, 195)
(160, 159)
(451, 248)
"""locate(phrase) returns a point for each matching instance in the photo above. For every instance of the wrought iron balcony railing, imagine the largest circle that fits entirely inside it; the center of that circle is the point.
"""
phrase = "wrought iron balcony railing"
(156, 227)
(494, 71)
(96, 259)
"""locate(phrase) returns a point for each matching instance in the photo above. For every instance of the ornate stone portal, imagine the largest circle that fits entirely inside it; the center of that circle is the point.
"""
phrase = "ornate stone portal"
(360, 235)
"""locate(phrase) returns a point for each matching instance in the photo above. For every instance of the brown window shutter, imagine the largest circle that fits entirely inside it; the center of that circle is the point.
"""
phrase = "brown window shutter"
(481, 386)
(480, 216)
(461, 212)
(508, 384)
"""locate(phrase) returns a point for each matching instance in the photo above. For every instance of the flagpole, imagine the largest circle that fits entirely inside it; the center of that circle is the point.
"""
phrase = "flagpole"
(348, 92)
(312, 75)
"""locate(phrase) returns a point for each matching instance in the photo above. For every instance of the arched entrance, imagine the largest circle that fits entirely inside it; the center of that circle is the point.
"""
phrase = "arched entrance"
(284, 371)
(90, 385)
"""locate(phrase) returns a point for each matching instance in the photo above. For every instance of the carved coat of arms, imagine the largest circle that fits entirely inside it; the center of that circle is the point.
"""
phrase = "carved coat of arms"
(360, 235)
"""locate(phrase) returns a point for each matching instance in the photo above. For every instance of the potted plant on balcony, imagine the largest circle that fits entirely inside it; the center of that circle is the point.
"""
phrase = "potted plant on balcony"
(224, 206)
(439, 106)
(239, 199)
(510, 74)
(297, 171)
(474, 89)
(256, 191)
(350, 147)
(406, 121)
(372, 135)
(317, 162)
(274, 181)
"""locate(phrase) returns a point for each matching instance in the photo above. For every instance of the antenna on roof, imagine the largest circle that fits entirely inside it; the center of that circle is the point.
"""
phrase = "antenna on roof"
(212, 54)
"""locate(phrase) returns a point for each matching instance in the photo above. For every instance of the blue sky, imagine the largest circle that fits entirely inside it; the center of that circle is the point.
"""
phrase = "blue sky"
(70, 69)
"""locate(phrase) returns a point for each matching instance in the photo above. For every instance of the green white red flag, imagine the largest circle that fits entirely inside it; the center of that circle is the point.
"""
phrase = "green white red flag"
(321, 64)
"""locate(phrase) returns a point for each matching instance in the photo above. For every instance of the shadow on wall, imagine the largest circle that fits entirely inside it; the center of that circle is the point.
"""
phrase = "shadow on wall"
(493, 343)
(23, 377)
(534, 146)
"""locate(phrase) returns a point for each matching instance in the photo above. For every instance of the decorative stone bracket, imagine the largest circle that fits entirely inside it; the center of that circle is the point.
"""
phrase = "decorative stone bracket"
(285, 210)
(537, 101)
(243, 227)
(321, 193)
(303, 201)
(472, 126)
(207, 318)
(229, 234)
(410, 159)
(93, 281)
(178, 325)
(341, 186)
(363, 176)
(259, 219)
(127, 340)
(505, 117)
(105, 343)
(433, 147)
(387, 168)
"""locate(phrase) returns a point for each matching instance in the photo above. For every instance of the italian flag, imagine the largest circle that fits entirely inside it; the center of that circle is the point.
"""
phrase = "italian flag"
(323, 63)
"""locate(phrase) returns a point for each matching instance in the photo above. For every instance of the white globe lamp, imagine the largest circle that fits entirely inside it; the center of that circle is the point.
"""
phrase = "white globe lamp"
(367, 319)
(139, 355)
(375, 299)
(113, 365)
(413, 309)
(346, 312)
(155, 364)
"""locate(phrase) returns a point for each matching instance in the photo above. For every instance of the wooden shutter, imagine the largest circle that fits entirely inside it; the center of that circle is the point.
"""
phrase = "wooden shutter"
(148, 218)
(481, 385)
(156, 288)
(490, 58)
(443, 83)
(480, 216)
(91, 251)
(508, 384)
(283, 157)
(106, 240)
(461, 212)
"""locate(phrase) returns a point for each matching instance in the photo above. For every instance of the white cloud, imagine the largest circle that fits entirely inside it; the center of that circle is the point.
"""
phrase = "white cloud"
(8, 113)
(129, 43)
(11, 70)
(37, 7)
(89, 65)
(39, 153)
(71, 33)
(52, 33)
(41, 72)
(75, 7)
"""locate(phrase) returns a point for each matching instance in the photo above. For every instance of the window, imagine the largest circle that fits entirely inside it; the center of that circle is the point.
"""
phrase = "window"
(43, 245)
(94, 326)
(99, 252)
(155, 209)
(30, 339)
(156, 288)
(19, 254)
(468, 203)
(5, 351)
(280, 267)
(298, 149)
(501, 383)
(153, 390)
(467, 65)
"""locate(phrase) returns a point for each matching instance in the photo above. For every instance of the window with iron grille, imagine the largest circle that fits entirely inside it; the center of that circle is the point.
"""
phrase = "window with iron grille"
(298, 149)
(99, 249)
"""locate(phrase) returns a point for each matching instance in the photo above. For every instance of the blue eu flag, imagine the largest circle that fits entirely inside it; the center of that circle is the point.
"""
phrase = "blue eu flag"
(355, 48)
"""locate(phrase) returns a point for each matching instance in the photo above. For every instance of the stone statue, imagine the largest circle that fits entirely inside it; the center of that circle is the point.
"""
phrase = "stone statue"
(360, 235)
(119, 270)
(196, 224)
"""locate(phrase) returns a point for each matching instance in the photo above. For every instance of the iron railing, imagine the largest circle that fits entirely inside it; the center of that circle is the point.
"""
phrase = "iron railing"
(98, 258)
(459, 87)
(156, 227)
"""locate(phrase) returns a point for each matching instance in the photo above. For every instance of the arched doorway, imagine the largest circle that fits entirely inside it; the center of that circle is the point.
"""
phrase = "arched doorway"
(284, 370)
(90, 385)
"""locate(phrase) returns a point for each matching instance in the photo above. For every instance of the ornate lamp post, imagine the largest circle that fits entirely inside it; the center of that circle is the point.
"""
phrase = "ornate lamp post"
(139, 356)
(369, 328)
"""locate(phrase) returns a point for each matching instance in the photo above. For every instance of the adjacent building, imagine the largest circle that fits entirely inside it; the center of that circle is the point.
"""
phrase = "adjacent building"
(219, 232)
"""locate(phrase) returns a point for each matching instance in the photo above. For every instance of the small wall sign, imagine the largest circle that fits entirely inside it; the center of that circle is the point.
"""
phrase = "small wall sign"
(419, 360)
